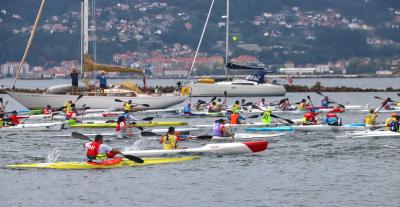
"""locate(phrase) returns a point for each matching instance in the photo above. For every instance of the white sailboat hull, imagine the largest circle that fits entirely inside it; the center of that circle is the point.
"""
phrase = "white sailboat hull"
(37, 100)
(240, 89)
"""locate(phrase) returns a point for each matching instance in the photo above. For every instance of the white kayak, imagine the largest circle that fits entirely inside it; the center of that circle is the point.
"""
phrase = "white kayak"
(219, 149)
(249, 124)
(55, 126)
(244, 136)
(316, 128)
(112, 134)
(376, 134)
(62, 116)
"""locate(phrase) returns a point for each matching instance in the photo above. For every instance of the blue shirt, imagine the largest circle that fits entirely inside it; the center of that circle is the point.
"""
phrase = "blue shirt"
(103, 80)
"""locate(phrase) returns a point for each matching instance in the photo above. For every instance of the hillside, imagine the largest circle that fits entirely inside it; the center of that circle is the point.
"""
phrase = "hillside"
(275, 31)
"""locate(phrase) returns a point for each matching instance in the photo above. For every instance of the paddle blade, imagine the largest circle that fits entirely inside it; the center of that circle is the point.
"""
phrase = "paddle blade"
(133, 158)
(319, 93)
(79, 136)
(118, 100)
(148, 119)
(110, 121)
(248, 104)
(213, 99)
(1, 100)
(145, 105)
(204, 137)
(79, 97)
(149, 134)
(253, 117)
(377, 97)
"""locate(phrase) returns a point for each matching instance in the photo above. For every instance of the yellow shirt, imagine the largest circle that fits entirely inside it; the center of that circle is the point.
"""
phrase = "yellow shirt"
(68, 107)
(370, 119)
(235, 107)
(127, 107)
(170, 143)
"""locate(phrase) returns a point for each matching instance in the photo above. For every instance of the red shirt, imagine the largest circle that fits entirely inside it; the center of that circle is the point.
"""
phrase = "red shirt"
(93, 149)
(310, 117)
(14, 120)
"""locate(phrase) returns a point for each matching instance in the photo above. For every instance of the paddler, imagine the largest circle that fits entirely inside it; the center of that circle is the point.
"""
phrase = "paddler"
(325, 102)
(187, 109)
(235, 118)
(395, 125)
(219, 129)
(68, 106)
(389, 121)
(387, 105)
(97, 151)
(128, 106)
(219, 105)
(243, 104)
(14, 119)
(266, 117)
(47, 110)
(235, 106)
(262, 103)
(303, 105)
(212, 107)
(2, 110)
(72, 116)
(170, 140)
(284, 104)
(309, 118)
(332, 119)
(121, 125)
(370, 119)
(129, 117)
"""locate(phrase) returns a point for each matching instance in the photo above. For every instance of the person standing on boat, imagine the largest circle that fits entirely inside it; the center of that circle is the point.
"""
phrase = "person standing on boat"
(370, 119)
(187, 109)
(235, 118)
(74, 77)
(266, 117)
(325, 102)
(332, 119)
(103, 81)
(170, 140)
(389, 120)
(98, 151)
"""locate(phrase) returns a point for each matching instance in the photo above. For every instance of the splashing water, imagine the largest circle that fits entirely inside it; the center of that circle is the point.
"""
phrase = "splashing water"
(53, 155)
(137, 145)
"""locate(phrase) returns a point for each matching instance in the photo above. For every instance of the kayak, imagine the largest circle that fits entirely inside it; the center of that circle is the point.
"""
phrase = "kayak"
(318, 127)
(248, 124)
(376, 134)
(243, 136)
(55, 126)
(219, 149)
(113, 125)
(181, 130)
(111, 163)
(62, 116)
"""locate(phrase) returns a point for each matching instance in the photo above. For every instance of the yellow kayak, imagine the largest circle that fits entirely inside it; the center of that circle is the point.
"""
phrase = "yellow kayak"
(113, 125)
(112, 163)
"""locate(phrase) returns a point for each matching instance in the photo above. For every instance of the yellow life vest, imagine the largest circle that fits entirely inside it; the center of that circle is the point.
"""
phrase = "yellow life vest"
(235, 107)
(370, 119)
(169, 142)
(185, 90)
(1, 123)
(302, 106)
(68, 107)
(127, 107)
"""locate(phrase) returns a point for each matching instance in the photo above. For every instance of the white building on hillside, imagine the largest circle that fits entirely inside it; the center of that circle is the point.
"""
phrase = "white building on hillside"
(11, 68)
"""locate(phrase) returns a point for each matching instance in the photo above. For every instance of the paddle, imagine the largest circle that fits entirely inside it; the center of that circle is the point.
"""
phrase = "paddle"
(152, 134)
(129, 157)
(119, 100)
(383, 104)
(213, 99)
(341, 105)
(225, 95)
(63, 107)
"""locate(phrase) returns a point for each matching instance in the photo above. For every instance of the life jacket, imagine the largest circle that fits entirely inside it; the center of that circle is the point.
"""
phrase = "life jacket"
(309, 117)
(186, 109)
(333, 120)
(302, 106)
(47, 111)
(394, 126)
(216, 131)
(266, 117)
(119, 126)
(68, 107)
(388, 121)
(1, 123)
(14, 120)
(169, 142)
(127, 107)
(235, 107)
(235, 118)
(93, 152)
(331, 115)
(370, 119)
(325, 103)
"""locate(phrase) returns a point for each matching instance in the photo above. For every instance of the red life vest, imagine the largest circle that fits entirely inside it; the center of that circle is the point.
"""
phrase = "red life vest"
(330, 115)
(69, 115)
(47, 111)
(234, 118)
(310, 117)
(93, 149)
(14, 120)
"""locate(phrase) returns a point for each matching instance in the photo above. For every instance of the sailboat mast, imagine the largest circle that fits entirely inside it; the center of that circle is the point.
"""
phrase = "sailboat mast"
(227, 39)
(84, 37)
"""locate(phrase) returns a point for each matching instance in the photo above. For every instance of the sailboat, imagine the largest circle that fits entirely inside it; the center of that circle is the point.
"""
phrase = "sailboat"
(253, 85)
(92, 99)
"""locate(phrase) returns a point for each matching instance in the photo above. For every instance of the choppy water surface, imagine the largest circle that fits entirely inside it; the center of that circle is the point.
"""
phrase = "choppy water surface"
(313, 169)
